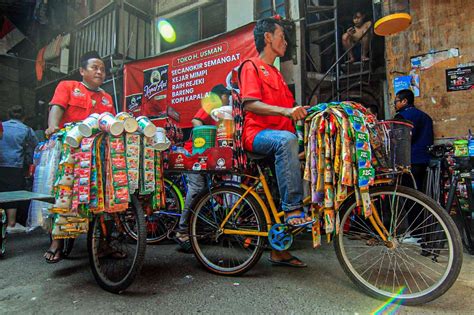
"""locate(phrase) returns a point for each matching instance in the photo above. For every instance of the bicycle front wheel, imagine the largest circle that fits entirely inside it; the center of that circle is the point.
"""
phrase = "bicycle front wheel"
(421, 257)
(115, 257)
(220, 253)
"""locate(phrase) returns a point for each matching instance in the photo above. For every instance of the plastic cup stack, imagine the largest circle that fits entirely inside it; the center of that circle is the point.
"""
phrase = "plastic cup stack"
(90, 125)
(108, 123)
(146, 127)
(129, 122)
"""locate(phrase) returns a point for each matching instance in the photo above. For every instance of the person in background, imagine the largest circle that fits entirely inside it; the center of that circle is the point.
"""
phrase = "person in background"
(422, 133)
(354, 34)
(16, 151)
(270, 114)
(74, 101)
(374, 110)
(197, 182)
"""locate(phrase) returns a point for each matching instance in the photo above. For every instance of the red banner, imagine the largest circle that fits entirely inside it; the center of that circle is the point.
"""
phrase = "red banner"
(174, 83)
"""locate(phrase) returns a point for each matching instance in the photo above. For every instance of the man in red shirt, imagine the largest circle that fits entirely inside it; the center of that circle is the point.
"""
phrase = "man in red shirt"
(270, 113)
(74, 101)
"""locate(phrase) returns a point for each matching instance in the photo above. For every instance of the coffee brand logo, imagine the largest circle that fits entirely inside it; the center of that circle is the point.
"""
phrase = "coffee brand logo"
(155, 81)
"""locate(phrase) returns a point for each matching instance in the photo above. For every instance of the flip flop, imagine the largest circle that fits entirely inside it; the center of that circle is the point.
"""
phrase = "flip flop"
(288, 262)
(184, 246)
(54, 260)
(302, 215)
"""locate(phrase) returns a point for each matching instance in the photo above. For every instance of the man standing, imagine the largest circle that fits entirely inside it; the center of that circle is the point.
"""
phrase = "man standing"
(197, 182)
(74, 101)
(16, 151)
(422, 133)
(269, 123)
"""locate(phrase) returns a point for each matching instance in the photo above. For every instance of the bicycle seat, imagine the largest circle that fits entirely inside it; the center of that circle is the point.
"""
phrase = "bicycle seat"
(255, 156)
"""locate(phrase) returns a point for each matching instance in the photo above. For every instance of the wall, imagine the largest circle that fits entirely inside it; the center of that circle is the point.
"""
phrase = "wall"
(239, 13)
(437, 25)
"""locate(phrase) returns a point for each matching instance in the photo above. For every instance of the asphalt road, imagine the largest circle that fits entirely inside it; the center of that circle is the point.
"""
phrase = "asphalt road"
(174, 283)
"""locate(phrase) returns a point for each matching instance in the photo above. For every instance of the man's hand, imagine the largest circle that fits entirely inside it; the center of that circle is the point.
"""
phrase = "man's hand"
(48, 132)
(296, 113)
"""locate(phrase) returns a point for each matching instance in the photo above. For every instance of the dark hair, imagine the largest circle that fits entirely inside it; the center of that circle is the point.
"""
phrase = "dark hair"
(263, 26)
(220, 90)
(16, 112)
(361, 13)
(408, 95)
(84, 61)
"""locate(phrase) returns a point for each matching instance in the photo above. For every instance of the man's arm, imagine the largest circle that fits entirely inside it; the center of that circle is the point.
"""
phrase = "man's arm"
(196, 122)
(56, 112)
(263, 109)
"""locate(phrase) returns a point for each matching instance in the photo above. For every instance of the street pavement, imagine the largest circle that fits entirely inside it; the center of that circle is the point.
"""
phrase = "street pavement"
(174, 283)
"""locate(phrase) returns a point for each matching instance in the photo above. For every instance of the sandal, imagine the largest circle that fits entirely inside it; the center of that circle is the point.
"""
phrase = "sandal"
(288, 262)
(184, 245)
(53, 258)
(302, 215)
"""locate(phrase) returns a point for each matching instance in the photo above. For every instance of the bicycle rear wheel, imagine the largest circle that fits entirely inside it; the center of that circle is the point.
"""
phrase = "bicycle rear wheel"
(420, 260)
(159, 223)
(115, 257)
(221, 253)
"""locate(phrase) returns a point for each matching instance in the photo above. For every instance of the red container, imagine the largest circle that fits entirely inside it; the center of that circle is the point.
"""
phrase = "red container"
(212, 159)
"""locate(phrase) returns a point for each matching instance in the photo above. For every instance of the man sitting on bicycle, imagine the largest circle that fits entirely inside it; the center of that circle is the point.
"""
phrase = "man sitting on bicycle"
(269, 122)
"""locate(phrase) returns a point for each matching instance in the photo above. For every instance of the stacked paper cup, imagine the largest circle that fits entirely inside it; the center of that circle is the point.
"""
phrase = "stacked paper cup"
(90, 125)
(146, 127)
(108, 123)
(160, 141)
(74, 137)
(129, 123)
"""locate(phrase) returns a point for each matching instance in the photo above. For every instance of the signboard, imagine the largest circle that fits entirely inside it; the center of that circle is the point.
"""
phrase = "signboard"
(460, 79)
(174, 83)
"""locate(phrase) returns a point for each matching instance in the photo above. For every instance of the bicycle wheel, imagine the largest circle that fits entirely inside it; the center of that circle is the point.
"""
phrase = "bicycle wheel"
(115, 257)
(464, 224)
(161, 221)
(420, 260)
(223, 253)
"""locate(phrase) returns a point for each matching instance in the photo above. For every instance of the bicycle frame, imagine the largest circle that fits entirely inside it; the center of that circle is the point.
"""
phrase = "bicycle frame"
(272, 212)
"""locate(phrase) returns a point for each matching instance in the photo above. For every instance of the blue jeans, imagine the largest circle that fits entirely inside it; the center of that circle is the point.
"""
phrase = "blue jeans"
(283, 145)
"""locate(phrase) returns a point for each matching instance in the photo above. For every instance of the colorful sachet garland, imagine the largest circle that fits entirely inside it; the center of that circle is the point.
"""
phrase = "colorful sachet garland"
(99, 177)
(338, 158)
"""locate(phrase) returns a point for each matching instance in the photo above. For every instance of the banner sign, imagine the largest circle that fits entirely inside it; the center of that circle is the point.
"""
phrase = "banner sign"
(460, 79)
(176, 82)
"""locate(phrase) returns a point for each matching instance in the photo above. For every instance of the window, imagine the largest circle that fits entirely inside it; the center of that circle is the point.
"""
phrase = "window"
(197, 24)
(268, 8)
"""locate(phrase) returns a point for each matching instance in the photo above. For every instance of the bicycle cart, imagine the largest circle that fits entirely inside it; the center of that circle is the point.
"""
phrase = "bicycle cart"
(231, 222)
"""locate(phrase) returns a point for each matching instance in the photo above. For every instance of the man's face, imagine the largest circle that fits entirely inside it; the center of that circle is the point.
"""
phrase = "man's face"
(94, 74)
(278, 42)
(225, 99)
(358, 19)
(398, 103)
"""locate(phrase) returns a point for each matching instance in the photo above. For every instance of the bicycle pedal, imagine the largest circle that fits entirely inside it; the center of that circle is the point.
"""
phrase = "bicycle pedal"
(280, 237)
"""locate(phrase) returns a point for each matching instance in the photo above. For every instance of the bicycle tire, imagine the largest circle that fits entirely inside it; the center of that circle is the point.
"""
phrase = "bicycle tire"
(201, 239)
(382, 291)
(159, 225)
(116, 236)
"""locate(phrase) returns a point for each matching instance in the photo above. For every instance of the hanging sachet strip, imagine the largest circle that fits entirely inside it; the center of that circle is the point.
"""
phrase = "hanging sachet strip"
(147, 170)
(116, 195)
(132, 148)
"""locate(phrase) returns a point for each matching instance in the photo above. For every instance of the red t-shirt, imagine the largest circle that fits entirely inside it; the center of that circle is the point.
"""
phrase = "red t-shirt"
(79, 102)
(206, 119)
(265, 84)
